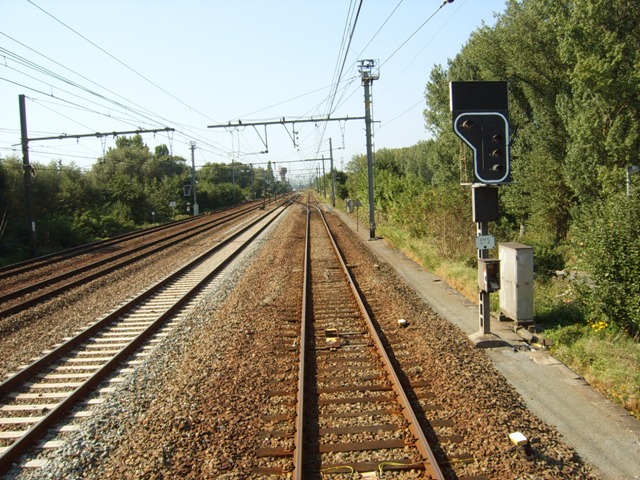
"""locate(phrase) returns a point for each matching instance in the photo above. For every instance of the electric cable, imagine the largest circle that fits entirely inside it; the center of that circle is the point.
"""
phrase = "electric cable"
(416, 31)
(26, 62)
(119, 61)
(126, 109)
(344, 61)
(81, 76)
(342, 99)
(180, 132)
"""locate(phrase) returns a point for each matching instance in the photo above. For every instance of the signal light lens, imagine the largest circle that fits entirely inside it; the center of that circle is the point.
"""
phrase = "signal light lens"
(486, 133)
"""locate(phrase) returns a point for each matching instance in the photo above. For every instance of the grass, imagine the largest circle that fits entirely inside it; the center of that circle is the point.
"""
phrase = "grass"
(605, 358)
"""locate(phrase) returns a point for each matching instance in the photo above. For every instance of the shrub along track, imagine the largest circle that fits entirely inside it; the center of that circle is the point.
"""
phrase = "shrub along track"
(194, 409)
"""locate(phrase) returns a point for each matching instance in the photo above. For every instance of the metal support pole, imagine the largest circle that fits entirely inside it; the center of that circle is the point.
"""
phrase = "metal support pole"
(233, 180)
(333, 176)
(367, 109)
(27, 176)
(484, 297)
(324, 179)
(196, 209)
(367, 70)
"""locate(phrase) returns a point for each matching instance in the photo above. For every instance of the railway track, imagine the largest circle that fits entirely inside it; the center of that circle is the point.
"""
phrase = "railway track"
(350, 412)
(31, 265)
(21, 291)
(40, 396)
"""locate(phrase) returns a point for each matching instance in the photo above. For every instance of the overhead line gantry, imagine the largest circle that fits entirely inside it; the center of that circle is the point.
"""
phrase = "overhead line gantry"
(283, 121)
(25, 139)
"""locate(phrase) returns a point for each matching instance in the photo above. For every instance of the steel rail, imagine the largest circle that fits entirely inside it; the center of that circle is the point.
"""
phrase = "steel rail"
(151, 248)
(36, 431)
(431, 464)
(10, 383)
(298, 440)
(52, 258)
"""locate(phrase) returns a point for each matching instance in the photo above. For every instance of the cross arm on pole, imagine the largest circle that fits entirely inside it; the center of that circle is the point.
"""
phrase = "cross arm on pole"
(283, 121)
(101, 134)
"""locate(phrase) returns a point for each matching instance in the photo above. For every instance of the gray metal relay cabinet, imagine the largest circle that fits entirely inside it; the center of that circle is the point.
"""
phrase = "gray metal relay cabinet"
(516, 282)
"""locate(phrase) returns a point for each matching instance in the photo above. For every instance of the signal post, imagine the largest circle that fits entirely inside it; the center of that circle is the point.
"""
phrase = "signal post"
(481, 120)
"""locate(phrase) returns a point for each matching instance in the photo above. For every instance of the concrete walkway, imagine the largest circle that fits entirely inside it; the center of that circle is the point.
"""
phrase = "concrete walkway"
(604, 435)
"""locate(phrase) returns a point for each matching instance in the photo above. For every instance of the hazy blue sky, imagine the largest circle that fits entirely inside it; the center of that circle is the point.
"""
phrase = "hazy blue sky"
(194, 63)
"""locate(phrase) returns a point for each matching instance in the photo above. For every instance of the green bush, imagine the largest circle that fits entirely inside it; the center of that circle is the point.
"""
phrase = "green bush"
(607, 241)
(547, 261)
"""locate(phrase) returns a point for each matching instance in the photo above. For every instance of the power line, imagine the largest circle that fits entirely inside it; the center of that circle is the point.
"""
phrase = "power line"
(416, 31)
(85, 78)
(126, 121)
(338, 74)
(346, 53)
(145, 114)
(379, 29)
(403, 113)
(127, 110)
(342, 97)
(25, 62)
(118, 60)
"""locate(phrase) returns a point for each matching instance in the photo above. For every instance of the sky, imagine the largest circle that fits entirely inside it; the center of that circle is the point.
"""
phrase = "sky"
(194, 66)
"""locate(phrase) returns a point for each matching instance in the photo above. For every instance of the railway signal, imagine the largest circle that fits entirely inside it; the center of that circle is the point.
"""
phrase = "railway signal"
(487, 134)
(480, 119)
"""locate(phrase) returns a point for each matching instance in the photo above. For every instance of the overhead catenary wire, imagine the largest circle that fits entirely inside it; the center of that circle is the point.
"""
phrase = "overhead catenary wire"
(342, 97)
(69, 82)
(402, 45)
(123, 107)
(215, 149)
(342, 58)
(359, 56)
(416, 31)
(119, 61)
(459, 5)
(344, 91)
(142, 112)
(141, 108)
(126, 109)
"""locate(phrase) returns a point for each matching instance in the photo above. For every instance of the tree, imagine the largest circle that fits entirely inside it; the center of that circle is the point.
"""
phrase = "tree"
(607, 238)
(601, 43)
(14, 243)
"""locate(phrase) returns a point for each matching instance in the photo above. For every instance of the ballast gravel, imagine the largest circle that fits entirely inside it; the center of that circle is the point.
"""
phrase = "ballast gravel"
(192, 409)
